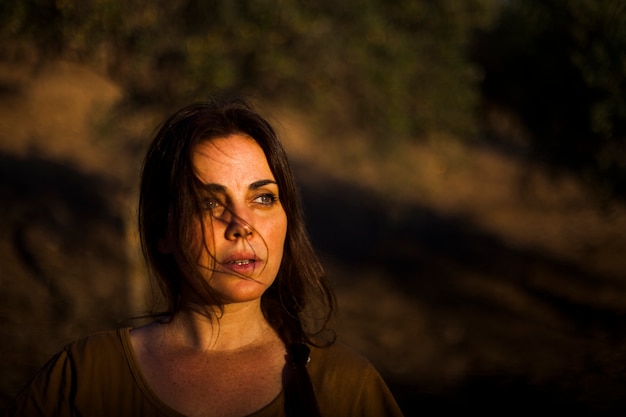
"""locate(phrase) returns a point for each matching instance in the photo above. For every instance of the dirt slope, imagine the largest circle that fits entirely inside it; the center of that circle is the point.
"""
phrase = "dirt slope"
(469, 280)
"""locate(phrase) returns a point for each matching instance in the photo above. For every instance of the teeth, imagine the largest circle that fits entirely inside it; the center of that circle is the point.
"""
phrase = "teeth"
(246, 262)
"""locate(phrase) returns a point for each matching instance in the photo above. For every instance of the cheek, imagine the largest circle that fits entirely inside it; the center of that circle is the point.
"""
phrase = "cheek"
(203, 240)
(279, 236)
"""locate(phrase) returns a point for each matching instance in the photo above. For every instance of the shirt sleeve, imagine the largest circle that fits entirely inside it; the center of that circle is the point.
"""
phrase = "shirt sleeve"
(348, 385)
(375, 399)
(48, 393)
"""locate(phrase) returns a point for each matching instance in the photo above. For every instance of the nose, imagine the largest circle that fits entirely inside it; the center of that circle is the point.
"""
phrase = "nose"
(238, 228)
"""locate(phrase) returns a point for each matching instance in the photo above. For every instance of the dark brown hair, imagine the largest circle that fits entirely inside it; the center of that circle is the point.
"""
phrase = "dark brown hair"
(300, 302)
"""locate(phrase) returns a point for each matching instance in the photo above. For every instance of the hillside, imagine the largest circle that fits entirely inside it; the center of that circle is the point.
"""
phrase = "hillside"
(473, 280)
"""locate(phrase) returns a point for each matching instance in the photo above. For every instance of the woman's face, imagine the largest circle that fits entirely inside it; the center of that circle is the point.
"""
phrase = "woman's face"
(244, 222)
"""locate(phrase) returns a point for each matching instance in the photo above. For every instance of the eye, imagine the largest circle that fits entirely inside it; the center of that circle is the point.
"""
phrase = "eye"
(267, 199)
(213, 206)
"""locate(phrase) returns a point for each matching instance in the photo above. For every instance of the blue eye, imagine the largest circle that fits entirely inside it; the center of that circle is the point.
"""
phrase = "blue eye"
(267, 199)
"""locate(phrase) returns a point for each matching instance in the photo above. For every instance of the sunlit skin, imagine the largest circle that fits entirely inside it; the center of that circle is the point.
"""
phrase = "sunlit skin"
(239, 245)
(244, 222)
(231, 366)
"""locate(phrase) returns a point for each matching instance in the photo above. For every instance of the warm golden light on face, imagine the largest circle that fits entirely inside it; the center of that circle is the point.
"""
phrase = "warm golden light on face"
(244, 222)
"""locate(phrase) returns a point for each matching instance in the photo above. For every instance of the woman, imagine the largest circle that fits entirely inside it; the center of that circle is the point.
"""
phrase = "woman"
(244, 332)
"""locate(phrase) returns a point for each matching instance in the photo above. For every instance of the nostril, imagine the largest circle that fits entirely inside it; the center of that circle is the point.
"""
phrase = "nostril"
(239, 230)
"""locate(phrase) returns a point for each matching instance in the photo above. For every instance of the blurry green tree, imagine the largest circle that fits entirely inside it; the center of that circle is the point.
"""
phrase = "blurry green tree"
(561, 65)
(396, 69)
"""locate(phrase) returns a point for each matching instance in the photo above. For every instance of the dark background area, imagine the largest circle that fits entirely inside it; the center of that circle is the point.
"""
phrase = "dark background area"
(462, 166)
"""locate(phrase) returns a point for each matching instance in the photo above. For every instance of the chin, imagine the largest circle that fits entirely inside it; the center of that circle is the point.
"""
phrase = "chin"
(238, 290)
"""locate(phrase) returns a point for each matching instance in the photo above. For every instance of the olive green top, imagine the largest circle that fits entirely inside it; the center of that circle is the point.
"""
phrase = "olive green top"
(99, 376)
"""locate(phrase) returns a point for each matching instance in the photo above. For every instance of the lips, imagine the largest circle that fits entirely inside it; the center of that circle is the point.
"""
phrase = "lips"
(241, 263)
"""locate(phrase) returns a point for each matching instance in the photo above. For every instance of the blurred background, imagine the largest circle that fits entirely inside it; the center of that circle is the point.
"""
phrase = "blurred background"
(462, 165)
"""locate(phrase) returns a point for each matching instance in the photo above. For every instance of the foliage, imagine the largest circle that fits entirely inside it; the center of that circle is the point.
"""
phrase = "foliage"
(393, 70)
(396, 69)
(562, 65)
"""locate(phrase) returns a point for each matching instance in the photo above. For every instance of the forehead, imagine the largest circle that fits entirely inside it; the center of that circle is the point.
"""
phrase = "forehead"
(232, 159)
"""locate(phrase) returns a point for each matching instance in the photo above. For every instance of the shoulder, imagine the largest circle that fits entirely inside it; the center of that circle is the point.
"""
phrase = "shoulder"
(97, 348)
(340, 366)
(98, 340)
(85, 375)
(347, 383)
(99, 359)
(338, 356)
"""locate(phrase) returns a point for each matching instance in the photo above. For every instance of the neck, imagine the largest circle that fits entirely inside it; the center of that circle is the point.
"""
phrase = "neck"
(241, 325)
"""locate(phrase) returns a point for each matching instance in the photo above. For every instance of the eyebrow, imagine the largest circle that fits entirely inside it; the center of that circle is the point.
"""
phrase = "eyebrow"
(217, 188)
(261, 183)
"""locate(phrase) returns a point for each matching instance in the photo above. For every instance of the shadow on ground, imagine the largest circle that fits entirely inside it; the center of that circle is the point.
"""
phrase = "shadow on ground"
(64, 267)
(533, 333)
(455, 318)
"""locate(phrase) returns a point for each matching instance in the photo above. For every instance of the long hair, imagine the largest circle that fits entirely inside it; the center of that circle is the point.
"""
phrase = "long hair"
(300, 302)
